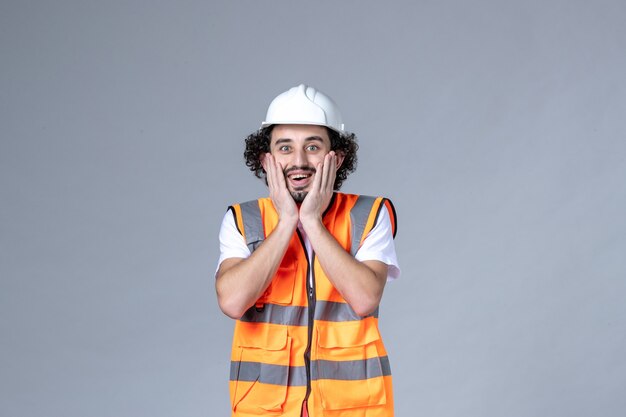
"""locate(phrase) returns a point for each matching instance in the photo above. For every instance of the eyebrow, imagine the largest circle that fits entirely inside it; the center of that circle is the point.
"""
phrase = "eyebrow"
(309, 139)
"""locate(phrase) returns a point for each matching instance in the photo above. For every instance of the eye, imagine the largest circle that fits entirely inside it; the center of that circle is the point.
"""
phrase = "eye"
(283, 148)
(312, 148)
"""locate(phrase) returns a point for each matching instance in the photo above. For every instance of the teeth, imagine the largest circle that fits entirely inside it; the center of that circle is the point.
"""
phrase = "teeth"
(299, 177)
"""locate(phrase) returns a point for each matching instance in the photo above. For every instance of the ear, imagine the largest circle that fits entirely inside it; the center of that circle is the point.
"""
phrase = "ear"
(340, 157)
(262, 159)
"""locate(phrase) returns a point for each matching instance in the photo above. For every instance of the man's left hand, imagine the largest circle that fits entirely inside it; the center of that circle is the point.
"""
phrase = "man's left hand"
(318, 198)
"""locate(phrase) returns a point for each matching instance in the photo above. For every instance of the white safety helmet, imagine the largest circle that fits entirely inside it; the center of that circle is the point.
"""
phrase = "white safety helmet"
(303, 105)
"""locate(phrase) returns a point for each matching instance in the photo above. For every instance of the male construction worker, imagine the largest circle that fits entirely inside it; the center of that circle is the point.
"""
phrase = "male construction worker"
(303, 270)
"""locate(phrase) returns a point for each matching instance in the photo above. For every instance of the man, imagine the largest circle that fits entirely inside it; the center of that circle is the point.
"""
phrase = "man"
(303, 272)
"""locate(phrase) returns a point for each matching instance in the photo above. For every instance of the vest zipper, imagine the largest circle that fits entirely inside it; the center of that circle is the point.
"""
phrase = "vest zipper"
(310, 286)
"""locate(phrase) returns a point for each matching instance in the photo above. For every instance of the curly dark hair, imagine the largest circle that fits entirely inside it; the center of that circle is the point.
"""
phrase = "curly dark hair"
(258, 143)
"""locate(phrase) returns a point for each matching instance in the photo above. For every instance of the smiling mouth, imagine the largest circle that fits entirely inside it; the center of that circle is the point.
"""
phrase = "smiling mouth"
(300, 180)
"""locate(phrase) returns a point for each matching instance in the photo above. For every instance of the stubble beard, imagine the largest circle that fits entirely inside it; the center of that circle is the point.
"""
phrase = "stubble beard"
(299, 196)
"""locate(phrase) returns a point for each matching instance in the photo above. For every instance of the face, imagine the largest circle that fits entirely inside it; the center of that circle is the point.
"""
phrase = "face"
(299, 149)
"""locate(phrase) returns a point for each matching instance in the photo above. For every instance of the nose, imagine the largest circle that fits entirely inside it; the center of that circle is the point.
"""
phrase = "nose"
(299, 158)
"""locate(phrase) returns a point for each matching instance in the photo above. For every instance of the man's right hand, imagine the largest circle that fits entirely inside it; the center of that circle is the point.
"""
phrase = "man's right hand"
(281, 197)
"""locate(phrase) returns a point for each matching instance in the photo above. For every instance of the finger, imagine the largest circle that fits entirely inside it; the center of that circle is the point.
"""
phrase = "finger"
(317, 178)
(268, 169)
(332, 174)
(280, 177)
(328, 163)
(271, 172)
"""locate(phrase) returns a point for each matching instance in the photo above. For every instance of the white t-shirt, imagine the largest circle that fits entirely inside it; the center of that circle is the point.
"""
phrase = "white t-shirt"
(377, 246)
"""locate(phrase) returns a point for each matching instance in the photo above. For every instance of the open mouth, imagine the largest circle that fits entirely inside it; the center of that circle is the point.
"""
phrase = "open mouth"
(299, 180)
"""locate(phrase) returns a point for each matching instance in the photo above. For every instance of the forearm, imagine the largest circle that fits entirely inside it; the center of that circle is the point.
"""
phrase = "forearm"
(359, 284)
(240, 282)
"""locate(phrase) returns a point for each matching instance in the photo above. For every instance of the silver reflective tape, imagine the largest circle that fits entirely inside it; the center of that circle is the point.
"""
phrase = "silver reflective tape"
(334, 311)
(277, 314)
(299, 316)
(252, 224)
(358, 217)
(293, 376)
(351, 370)
(244, 371)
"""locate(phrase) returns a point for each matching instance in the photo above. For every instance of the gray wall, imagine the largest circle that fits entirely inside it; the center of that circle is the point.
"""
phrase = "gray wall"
(496, 127)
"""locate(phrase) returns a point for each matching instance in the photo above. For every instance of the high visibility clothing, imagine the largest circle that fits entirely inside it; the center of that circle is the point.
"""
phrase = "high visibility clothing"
(304, 342)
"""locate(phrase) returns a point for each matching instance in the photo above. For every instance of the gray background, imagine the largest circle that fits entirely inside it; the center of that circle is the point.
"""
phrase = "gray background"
(496, 127)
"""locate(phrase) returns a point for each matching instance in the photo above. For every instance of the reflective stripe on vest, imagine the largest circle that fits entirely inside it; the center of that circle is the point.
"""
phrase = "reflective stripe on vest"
(295, 376)
(252, 225)
(298, 315)
(359, 216)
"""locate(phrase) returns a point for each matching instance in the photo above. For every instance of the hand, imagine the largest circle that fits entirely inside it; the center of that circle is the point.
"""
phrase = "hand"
(281, 198)
(321, 192)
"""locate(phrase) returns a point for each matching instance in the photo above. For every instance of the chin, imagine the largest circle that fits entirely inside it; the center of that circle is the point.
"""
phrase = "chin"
(299, 196)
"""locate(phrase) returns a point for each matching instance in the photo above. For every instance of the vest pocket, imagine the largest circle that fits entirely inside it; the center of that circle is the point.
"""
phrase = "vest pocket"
(348, 369)
(280, 290)
(263, 370)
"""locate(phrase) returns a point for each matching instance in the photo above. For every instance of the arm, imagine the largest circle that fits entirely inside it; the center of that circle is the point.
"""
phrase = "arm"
(240, 282)
(361, 284)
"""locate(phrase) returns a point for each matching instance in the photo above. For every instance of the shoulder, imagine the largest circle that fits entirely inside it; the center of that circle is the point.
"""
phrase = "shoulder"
(249, 219)
(250, 205)
(362, 198)
(249, 211)
(367, 209)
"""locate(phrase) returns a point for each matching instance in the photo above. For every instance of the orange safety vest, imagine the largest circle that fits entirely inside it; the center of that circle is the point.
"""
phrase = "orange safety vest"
(305, 343)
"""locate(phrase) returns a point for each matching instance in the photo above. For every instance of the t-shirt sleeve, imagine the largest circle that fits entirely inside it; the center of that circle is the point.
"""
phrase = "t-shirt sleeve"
(379, 246)
(232, 243)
